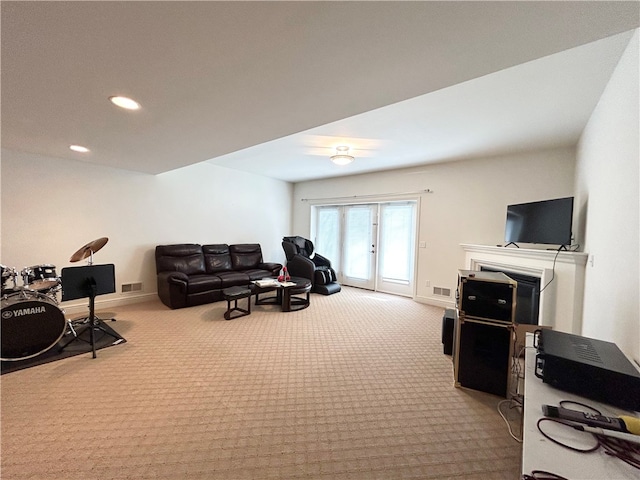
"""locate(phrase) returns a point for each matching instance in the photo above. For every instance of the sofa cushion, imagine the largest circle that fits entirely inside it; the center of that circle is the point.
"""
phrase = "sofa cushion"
(186, 258)
(231, 279)
(203, 283)
(257, 273)
(217, 258)
(245, 255)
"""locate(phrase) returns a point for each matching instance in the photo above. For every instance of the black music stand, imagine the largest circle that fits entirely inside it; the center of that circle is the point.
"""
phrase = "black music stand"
(88, 281)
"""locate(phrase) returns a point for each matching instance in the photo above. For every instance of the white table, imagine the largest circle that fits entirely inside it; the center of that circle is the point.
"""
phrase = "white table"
(539, 453)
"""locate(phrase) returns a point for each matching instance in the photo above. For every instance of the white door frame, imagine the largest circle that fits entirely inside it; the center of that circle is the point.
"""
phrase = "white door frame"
(404, 289)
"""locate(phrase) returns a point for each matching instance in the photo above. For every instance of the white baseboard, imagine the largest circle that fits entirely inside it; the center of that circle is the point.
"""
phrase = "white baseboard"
(81, 306)
(436, 302)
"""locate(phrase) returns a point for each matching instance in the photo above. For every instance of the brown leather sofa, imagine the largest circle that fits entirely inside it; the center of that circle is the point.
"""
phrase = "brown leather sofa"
(191, 274)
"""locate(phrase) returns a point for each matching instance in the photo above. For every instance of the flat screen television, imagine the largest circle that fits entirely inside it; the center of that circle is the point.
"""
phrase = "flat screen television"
(547, 222)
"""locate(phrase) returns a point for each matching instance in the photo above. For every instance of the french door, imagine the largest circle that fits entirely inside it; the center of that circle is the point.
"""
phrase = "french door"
(359, 246)
(370, 246)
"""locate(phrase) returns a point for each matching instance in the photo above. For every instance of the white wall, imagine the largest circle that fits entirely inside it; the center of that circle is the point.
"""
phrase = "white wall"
(468, 204)
(52, 207)
(607, 185)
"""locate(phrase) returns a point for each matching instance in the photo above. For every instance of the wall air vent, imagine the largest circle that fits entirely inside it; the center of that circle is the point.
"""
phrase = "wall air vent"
(131, 287)
(444, 292)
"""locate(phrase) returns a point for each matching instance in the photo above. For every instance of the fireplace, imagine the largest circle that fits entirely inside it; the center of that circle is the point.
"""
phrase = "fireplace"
(527, 295)
(560, 275)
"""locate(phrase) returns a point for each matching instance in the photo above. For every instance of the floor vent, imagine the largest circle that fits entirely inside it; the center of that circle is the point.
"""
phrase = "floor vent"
(445, 292)
(131, 287)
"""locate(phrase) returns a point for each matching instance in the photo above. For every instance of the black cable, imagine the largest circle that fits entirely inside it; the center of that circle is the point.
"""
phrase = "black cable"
(564, 403)
(558, 442)
(542, 475)
(553, 271)
(628, 452)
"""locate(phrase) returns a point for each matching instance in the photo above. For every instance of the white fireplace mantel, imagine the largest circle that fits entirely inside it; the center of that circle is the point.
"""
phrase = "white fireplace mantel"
(561, 277)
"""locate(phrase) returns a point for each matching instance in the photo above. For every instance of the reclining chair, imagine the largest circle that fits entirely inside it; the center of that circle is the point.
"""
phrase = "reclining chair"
(302, 262)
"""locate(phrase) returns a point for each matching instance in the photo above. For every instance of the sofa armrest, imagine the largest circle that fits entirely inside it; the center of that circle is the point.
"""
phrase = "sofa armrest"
(175, 278)
(272, 267)
(172, 289)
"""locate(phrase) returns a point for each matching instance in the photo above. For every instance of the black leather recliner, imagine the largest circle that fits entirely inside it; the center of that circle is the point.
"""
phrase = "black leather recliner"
(302, 262)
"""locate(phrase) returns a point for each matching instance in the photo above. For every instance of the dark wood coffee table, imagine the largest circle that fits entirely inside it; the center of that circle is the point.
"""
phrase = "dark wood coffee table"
(285, 293)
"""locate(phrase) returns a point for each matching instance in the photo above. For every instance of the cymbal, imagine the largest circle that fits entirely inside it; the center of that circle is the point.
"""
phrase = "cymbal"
(88, 249)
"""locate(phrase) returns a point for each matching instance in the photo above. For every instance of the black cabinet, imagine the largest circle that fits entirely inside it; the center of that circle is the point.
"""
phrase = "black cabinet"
(486, 304)
(486, 296)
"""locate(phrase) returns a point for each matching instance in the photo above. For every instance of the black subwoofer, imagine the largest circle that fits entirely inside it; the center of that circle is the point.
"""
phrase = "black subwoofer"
(448, 324)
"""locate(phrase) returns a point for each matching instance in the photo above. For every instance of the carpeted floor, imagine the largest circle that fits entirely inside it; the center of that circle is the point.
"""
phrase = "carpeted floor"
(354, 387)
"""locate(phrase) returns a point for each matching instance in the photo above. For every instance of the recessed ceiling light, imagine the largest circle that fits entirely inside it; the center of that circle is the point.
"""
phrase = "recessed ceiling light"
(125, 102)
(79, 148)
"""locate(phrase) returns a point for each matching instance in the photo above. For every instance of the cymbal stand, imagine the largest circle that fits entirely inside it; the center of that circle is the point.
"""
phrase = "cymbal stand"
(85, 320)
(90, 261)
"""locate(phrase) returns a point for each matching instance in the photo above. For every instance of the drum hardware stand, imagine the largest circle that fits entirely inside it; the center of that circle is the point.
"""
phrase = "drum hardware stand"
(71, 327)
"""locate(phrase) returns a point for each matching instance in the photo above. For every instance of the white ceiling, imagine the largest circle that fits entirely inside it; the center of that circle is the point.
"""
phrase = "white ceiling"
(272, 87)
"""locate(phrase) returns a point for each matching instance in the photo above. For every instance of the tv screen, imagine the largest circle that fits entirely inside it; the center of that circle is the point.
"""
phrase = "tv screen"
(547, 222)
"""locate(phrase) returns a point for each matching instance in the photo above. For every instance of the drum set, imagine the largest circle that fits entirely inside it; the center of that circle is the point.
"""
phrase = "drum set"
(32, 321)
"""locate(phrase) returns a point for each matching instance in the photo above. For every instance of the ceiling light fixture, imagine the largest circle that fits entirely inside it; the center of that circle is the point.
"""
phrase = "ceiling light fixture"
(125, 102)
(342, 156)
(79, 148)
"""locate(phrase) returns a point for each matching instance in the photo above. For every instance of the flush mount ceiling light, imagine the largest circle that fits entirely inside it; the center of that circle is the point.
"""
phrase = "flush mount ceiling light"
(342, 156)
(79, 148)
(125, 102)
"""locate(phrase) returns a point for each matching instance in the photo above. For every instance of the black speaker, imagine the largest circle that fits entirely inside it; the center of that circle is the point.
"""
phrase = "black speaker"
(482, 356)
(448, 322)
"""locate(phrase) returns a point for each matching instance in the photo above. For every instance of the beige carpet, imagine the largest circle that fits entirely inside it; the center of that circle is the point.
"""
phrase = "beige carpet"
(354, 387)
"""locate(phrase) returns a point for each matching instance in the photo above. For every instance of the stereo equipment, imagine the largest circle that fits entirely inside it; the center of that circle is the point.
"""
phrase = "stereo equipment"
(486, 296)
(592, 368)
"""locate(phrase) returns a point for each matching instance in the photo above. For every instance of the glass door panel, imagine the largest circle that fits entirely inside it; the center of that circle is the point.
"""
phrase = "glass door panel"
(328, 235)
(396, 248)
(359, 245)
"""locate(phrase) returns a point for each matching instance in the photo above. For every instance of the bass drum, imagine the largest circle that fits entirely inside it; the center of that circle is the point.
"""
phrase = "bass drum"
(31, 324)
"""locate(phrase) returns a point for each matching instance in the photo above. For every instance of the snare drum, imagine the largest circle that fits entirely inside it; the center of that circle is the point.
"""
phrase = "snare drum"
(31, 323)
(40, 277)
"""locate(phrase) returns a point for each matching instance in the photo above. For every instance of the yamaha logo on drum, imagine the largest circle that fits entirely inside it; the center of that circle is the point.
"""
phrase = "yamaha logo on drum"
(23, 311)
